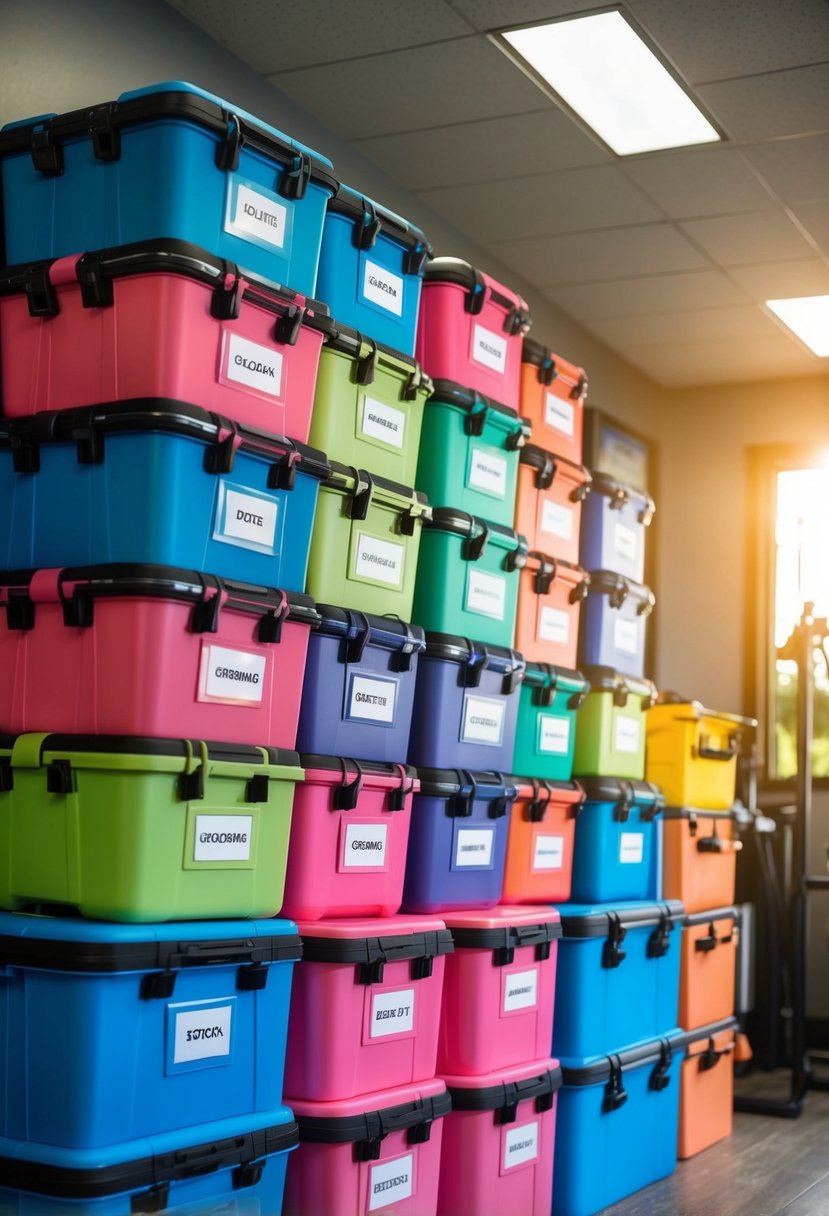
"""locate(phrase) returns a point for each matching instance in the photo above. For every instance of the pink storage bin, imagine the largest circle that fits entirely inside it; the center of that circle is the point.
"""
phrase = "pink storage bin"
(471, 330)
(379, 1152)
(498, 1142)
(499, 989)
(365, 1006)
(151, 650)
(349, 832)
(159, 319)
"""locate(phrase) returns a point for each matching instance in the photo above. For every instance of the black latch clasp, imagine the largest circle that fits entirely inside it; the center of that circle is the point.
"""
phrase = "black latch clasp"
(615, 1094)
(612, 953)
(660, 1077)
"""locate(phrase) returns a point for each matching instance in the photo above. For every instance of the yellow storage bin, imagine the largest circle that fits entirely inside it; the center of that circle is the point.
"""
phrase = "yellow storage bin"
(691, 752)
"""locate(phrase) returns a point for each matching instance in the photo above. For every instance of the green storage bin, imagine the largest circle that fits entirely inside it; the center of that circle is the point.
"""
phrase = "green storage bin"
(365, 542)
(467, 577)
(469, 453)
(368, 406)
(610, 728)
(131, 829)
(546, 737)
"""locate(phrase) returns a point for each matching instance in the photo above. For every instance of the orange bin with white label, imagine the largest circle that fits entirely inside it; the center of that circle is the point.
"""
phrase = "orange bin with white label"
(708, 966)
(542, 829)
(553, 392)
(706, 1100)
(700, 857)
(548, 506)
(550, 595)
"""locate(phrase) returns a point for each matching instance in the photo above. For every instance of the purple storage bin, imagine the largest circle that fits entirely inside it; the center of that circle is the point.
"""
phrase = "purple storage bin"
(466, 704)
(613, 524)
(457, 840)
(612, 625)
(359, 686)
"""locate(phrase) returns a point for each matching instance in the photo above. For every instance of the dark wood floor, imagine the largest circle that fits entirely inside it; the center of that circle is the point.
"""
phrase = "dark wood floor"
(769, 1167)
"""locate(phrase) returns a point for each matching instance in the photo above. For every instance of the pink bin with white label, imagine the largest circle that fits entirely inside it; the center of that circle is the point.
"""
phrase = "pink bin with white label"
(499, 1142)
(151, 650)
(365, 1007)
(499, 989)
(379, 1152)
(349, 832)
(158, 319)
(471, 330)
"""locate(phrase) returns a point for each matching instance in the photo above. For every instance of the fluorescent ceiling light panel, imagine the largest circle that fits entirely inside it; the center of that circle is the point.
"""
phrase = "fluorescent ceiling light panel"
(808, 318)
(603, 70)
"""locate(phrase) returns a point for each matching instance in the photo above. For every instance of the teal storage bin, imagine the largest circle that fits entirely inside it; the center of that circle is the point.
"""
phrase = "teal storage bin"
(467, 577)
(469, 452)
(546, 737)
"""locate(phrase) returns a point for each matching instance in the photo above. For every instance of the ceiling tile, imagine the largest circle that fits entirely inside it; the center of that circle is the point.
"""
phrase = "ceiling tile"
(797, 170)
(815, 219)
(571, 201)
(429, 86)
(494, 14)
(593, 256)
(778, 103)
(702, 181)
(725, 361)
(741, 240)
(693, 325)
(272, 37)
(648, 294)
(487, 150)
(809, 277)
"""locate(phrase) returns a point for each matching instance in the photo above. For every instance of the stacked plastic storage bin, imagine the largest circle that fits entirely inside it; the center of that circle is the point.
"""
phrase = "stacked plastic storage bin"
(158, 496)
(692, 752)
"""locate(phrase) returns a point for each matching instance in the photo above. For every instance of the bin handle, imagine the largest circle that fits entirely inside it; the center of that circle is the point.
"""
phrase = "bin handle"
(27, 750)
(706, 752)
(537, 809)
(397, 796)
(344, 797)
(191, 778)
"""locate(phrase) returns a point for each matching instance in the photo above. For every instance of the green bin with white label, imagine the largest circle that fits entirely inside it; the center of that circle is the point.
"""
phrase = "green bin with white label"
(546, 736)
(610, 727)
(469, 452)
(133, 829)
(364, 547)
(368, 405)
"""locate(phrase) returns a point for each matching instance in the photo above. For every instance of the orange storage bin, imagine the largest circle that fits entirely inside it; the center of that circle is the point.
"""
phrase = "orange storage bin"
(550, 594)
(552, 397)
(540, 842)
(708, 967)
(551, 490)
(692, 752)
(700, 857)
(706, 1097)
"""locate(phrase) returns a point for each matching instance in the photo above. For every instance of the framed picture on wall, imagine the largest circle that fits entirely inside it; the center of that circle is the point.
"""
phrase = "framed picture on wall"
(614, 449)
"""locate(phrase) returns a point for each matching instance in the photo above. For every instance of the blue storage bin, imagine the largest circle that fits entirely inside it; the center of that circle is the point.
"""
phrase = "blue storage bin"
(157, 482)
(359, 687)
(616, 841)
(234, 1165)
(115, 1033)
(466, 704)
(612, 624)
(618, 975)
(167, 160)
(617, 1123)
(614, 519)
(457, 840)
(371, 268)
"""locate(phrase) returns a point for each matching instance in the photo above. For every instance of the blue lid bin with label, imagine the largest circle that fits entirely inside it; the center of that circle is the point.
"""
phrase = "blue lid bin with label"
(171, 160)
(613, 623)
(616, 842)
(115, 1033)
(371, 268)
(614, 528)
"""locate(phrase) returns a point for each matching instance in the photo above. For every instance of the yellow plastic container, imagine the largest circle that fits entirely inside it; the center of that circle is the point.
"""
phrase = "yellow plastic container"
(691, 752)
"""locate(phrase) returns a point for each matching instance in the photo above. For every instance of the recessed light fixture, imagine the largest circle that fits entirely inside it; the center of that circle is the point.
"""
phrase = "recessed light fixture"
(600, 67)
(808, 318)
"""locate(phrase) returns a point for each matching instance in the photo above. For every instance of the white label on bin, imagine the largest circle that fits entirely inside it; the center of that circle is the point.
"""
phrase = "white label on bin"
(489, 349)
(626, 636)
(487, 472)
(254, 365)
(391, 1182)
(223, 837)
(372, 699)
(380, 560)
(553, 735)
(521, 990)
(554, 626)
(559, 414)
(364, 845)
(483, 720)
(260, 216)
(631, 848)
(520, 1145)
(246, 519)
(548, 852)
(486, 594)
(201, 1033)
(392, 1013)
(557, 520)
(473, 847)
(383, 422)
(627, 736)
(234, 675)
(625, 542)
(382, 287)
